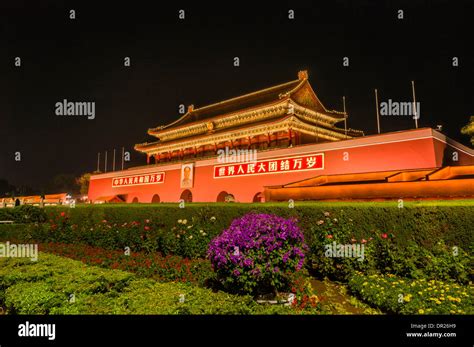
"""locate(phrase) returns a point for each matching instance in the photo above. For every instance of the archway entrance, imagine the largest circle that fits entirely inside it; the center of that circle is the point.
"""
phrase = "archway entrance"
(187, 196)
(135, 201)
(155, 199)
(229, 198)
(221, 197)
(259, 197)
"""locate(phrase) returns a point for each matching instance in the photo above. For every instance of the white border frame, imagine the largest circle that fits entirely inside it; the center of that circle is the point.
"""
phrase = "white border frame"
(273, 172)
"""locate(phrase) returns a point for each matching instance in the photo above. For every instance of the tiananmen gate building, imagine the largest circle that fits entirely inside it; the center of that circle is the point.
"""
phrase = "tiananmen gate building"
(281, 143)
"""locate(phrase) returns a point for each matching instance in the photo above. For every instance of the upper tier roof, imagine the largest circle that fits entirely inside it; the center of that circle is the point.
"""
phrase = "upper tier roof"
(247, 101)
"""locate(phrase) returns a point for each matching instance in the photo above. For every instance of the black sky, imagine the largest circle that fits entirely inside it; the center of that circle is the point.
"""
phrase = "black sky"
(191, 62)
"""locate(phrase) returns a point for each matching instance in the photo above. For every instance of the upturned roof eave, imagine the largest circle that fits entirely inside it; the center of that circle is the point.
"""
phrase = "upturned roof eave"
(157, 130)
(147, 147)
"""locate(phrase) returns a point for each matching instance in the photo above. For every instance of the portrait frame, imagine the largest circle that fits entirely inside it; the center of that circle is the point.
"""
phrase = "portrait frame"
(187, 175)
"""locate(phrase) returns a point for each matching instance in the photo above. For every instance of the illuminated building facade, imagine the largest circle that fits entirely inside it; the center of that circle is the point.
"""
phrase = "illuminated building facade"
(245, 148)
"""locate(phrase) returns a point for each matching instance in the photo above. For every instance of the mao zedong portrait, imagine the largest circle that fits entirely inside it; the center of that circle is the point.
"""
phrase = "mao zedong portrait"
(186, 177)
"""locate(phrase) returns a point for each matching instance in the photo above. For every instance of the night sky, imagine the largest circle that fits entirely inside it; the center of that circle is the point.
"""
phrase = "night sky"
(191, 62)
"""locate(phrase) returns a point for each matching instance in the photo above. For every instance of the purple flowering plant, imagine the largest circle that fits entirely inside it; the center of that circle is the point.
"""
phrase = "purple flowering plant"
(258, 254)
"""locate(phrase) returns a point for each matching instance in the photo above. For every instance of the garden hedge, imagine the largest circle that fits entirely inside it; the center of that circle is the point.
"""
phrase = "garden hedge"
(47, 286)
(23, 214)
(431, 241)
(423, 224)
(426, 224)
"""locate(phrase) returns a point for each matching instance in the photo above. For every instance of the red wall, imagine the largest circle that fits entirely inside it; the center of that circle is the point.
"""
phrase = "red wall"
(413, 149)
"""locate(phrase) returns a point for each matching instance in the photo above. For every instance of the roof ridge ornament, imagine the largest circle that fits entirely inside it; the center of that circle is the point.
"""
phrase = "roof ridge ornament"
(190, 108)
(303, 74)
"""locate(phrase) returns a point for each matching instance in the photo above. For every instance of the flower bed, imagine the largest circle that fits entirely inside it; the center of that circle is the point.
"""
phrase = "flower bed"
(383, 253)
(56, 285)
(423, 224)
(405, 296)
(170, 269)
(430, 249)
(156, 266)
(185, 238)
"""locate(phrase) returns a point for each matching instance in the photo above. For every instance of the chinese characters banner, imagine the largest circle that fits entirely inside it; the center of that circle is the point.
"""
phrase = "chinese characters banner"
(138, 180)
(280, 165)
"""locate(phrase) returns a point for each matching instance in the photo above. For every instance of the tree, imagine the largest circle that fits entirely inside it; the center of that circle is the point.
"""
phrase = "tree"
(83, 182)
(64, 183)
(5, 188)
(23, 190)
(469, 129)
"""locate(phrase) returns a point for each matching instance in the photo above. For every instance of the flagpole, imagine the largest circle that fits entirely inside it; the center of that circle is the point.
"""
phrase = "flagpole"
(377, 110)
(113, 162)
(98, 162)
(105, 166)
(345, 115)
(123, 156)
(414, 103)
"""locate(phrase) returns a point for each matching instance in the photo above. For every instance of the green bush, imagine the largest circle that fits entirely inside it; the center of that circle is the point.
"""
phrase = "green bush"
(32, 298)
(413, 261)
(326, 230)
(26, 288)
(10, 232)
(413, 249)
(23, 214)
(383, 253)
(25, 283)
(153, 265)
(186, 238)
(424, 225)
(6, 214)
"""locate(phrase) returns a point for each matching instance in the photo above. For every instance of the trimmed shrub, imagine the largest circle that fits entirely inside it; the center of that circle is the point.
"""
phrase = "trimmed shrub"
(257, 253)
(383, 252)
(411, 250)
(23, 214)
(6, 214)
(186, 238)
(100, 291)
(423, 224)
(32, 298)
(153, 265)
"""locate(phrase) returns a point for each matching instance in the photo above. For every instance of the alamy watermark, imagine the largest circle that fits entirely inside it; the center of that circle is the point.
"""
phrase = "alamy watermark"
(400, 108)
(12, 250)
(227, 155)
(37, 330)
(337, 250)
(69, 108)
